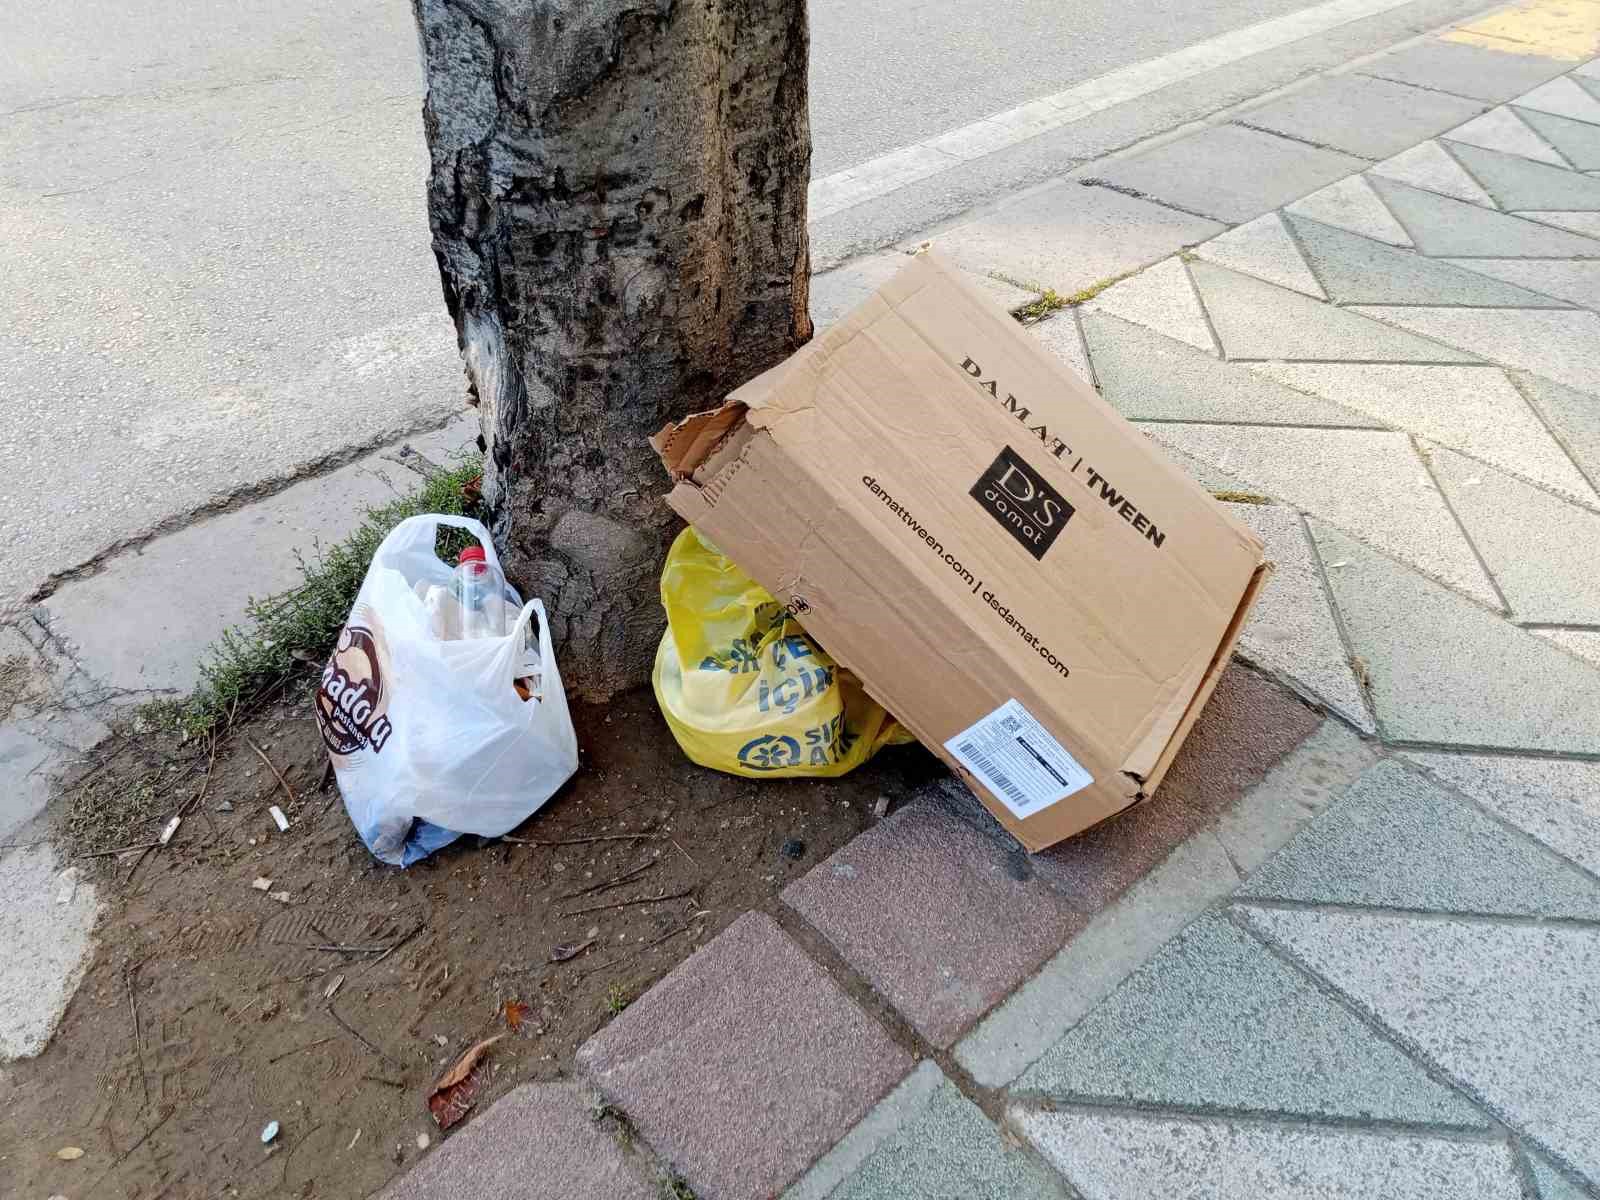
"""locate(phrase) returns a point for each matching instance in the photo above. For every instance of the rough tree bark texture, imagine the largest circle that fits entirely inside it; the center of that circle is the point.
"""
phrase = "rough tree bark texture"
(618, 203)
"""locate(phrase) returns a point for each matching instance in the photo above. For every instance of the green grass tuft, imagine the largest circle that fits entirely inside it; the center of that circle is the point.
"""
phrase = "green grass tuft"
(286, 632)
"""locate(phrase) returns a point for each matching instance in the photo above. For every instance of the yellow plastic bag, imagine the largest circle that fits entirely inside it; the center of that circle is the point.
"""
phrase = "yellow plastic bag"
(743, 688)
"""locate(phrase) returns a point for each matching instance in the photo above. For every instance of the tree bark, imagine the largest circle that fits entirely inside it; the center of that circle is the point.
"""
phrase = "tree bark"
(618, 204)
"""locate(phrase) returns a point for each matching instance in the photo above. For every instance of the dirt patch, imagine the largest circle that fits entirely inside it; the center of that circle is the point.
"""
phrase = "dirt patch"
(232, 987)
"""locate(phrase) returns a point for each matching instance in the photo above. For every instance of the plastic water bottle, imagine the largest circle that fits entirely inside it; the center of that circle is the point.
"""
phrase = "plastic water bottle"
(481, 590)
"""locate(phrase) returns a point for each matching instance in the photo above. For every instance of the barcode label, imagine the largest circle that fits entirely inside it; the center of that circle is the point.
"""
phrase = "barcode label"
(1017, 760)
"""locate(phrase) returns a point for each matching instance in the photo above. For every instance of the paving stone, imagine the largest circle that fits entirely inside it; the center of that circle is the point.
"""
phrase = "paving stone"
(1256, 320)
(1160, 298)
(1518, 184)
(1215, 1019)
(536, 1141)
(1005, 294)
(1069, 237)
(1508, 1010)
(1587, 223)
(1533, 543)
(1292, 631)
(1230, 173)
(1135, 1156)
(1320, 770)
(1263, 248)
(1558, 344)
(908, 1101)
(744, 1064)
(1465, 70)
(1446, 671)
(1012, 1037)
(1249, 725)
(948, 1148)
(1352, 204)
(837, 292)
(1554, 800)
(1475, 409)
(1573, 415)
(1446, 228)
(1552, 1184)
(1358, 270)
(48, 947)
(1577, 141)
(122, 621)
(1398, 841)
(942, 965)
(1370, 483)
(1151, 377)
(1576, 281)
(1061, 336)
(1503, 129)
(1358, 114)
(1585, 643)
(1427, 166)
(1566, 98)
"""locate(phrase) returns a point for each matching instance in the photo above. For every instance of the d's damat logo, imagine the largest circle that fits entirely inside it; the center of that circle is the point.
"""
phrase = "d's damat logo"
(770, 752)
(1027, 507)
(351, 701)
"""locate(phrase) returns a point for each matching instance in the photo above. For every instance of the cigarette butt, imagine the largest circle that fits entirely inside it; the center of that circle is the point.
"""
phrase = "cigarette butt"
(172, 828)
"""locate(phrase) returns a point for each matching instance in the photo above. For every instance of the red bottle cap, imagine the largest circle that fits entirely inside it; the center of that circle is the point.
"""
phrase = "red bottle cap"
(472, 554)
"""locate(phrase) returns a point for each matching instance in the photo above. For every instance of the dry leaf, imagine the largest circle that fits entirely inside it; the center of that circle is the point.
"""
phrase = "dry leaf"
(455, 1092)
(69, 1153)
(516, 1011)
(563, 953)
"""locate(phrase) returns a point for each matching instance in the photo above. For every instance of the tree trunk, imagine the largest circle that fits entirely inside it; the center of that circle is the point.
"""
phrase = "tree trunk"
(618, 203)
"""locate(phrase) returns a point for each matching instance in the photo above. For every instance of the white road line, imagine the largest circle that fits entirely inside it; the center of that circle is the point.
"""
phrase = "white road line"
(889, 172)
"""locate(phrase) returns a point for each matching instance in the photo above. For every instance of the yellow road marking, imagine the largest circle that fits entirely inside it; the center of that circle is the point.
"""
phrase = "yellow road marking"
(1568, 30)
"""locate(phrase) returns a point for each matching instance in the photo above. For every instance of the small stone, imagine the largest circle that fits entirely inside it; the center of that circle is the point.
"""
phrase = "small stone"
(67, 885)
(69, 1153)
(441, 1039)
(793, 848)
(422, 1141)
(280, 897)
(225, 806)
(262, 884)
(269, 1132)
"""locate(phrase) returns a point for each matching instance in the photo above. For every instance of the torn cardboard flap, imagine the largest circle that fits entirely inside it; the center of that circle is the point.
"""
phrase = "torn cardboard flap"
(1007, 564)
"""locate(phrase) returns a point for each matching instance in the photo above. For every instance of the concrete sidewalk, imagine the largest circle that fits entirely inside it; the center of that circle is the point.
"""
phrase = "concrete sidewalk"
(1338, 957)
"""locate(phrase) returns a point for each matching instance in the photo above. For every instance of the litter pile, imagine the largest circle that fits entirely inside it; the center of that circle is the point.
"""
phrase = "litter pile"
(921, 513)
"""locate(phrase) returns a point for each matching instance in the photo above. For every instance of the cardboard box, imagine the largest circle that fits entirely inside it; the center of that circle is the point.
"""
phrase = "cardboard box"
(1010, 567)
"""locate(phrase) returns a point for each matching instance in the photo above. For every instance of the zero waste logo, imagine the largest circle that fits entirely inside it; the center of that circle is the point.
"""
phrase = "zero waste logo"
(770, 752)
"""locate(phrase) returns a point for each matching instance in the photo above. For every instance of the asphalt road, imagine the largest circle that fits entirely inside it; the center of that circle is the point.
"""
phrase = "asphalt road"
(215, 269)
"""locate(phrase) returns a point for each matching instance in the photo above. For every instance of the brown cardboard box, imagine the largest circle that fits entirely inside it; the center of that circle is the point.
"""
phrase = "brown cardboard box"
(1011, 568)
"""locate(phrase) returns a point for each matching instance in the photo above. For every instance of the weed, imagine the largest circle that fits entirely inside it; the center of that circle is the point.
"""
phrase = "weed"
(675, 1188)
(284, 632)
(617, 999)
(1231, 497)
(1047, 300)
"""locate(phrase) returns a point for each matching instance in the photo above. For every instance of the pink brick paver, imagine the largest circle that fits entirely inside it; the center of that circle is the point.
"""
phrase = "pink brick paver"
(929, 909)
(537, 1141)
(744, 1064)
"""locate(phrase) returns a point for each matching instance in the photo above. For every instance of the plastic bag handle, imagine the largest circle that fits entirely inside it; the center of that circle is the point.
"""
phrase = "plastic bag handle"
(547, 651)
(421, 533)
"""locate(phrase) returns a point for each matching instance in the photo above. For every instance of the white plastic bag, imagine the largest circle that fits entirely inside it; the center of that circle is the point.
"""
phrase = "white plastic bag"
(429, 739)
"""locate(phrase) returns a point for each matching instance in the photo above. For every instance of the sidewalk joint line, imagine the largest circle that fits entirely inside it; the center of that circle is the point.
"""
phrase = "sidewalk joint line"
(1345, 640)
(1371, 1020)
(1423, 87)
(1426, 458)
(1303, 141)
(1496, 751)
(1263, 1118)
(1428, 915)
(1205, 310)
(1517, 385)
(1134, 193)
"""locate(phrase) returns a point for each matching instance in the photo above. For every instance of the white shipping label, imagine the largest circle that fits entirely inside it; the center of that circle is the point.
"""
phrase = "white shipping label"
(1015, 758)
